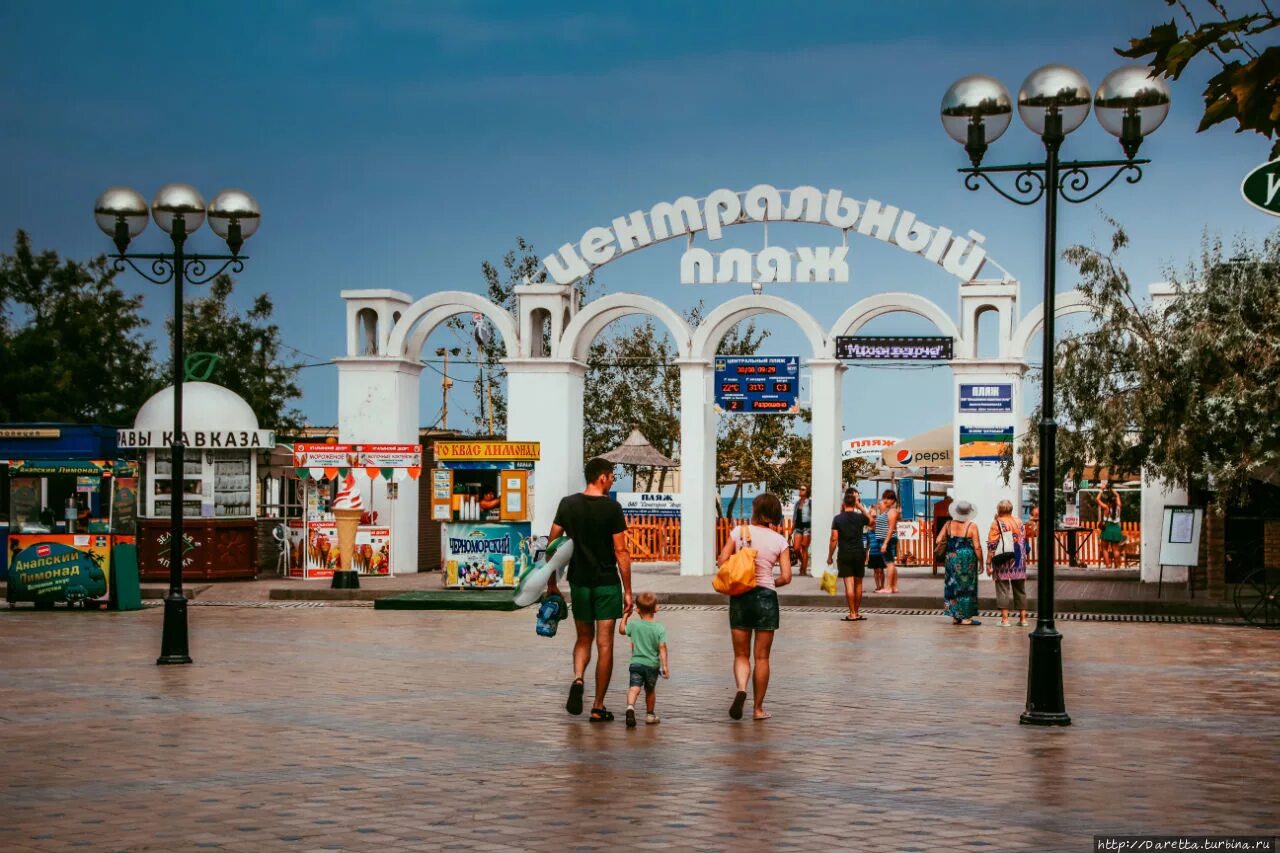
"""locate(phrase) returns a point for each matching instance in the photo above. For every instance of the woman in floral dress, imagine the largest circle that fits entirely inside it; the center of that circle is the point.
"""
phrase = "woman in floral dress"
(964, 564)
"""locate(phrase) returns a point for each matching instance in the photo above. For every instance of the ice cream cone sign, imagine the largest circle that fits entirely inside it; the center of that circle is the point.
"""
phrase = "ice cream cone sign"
(347, 509)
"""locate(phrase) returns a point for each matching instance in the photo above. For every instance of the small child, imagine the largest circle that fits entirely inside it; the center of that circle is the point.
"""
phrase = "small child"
(648, 653)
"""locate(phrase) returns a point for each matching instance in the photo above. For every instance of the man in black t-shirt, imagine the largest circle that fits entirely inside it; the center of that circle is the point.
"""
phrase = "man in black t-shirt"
(599, 579)
(846, 539)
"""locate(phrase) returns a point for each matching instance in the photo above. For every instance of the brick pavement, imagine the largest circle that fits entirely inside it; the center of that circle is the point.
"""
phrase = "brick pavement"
(353, 729)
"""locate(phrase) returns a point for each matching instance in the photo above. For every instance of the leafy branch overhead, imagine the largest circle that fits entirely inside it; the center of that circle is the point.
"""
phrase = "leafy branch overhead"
(1247, 88)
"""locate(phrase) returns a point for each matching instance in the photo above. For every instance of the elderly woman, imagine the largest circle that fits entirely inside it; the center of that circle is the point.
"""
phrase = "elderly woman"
(753, 615)
(1007, 548)
(963, 564)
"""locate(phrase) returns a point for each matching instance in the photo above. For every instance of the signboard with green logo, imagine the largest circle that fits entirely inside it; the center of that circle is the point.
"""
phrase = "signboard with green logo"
(1261, 188)
(49, 569)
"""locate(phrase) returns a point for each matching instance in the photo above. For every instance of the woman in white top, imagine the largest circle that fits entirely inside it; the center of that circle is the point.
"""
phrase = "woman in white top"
(756, 610)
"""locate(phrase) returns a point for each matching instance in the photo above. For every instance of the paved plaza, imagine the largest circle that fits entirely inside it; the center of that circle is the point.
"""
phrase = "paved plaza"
(346, 728)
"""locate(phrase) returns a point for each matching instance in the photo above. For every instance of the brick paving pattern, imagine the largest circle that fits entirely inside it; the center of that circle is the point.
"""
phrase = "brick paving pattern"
(343, 728)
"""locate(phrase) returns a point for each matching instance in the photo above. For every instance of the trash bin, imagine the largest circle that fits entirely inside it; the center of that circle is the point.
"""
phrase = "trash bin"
(126, 593)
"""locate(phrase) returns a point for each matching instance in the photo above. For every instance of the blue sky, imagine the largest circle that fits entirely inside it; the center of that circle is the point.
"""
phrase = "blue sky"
(400, 144)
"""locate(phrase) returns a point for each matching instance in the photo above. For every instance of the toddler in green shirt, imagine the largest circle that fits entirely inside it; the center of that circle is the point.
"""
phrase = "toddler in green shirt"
(648, 655)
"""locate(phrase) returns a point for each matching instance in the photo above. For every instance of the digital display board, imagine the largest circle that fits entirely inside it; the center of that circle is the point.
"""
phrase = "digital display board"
(757, 384)
(864, 347)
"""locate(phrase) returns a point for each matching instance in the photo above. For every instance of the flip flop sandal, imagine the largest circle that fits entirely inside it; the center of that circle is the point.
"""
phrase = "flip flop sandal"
(735, 710)
(858, 618)
(601, 715)
(574, 705)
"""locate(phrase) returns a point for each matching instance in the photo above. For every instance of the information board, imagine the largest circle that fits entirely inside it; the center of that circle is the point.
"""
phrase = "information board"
(986, 398)
(758, 385)
(1180, 536)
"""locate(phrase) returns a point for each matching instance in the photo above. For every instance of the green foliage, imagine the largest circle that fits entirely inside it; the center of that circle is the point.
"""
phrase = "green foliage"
(249, 346)
(71, 346)
(1191, 391)
(1247, 88)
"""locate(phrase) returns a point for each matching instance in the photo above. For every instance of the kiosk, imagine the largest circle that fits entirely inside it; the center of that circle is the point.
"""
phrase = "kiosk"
(65, 507)
(313, 539)
(482, 494)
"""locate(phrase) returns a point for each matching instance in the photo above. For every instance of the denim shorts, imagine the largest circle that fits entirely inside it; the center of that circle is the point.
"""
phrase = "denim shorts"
(643, 675)
(754, 610)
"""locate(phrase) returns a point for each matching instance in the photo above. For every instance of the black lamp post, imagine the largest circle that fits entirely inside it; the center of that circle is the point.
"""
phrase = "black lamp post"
(1054, 100)
(179, 210)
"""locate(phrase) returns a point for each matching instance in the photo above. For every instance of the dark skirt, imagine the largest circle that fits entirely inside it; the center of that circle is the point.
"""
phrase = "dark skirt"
(754, 610)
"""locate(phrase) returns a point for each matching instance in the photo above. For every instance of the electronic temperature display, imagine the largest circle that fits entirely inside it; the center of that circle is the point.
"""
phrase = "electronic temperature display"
(761, 385)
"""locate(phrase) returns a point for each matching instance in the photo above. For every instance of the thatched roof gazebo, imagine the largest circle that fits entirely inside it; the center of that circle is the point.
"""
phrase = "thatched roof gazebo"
(636, 452)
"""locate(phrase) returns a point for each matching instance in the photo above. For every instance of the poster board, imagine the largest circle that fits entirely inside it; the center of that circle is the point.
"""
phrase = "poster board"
(1180, 536)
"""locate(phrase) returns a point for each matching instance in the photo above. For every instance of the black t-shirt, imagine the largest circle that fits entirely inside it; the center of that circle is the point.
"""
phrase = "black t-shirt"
(849, 526)
(590, 521)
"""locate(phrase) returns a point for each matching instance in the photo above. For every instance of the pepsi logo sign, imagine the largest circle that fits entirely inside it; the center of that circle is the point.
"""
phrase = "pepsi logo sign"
(904, 456)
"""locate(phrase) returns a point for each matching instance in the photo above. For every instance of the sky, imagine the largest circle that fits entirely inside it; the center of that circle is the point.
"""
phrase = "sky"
(399, 145)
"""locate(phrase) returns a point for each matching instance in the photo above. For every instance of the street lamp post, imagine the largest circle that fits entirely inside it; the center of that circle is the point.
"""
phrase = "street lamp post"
(1053, 101)
(179, 210)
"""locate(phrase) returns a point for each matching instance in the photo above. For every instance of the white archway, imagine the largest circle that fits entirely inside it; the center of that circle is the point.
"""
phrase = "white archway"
(421, 318)
(727, 315)
(1072, 302)
(592, 319)
(866, 310)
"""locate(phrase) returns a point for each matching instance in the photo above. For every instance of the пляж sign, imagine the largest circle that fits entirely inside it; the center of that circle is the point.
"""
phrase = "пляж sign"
(1261, 188)
(651, 504)
(986, 398)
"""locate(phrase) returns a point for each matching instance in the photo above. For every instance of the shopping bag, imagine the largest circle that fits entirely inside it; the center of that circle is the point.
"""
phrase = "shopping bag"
(738, 573)
(828, 582)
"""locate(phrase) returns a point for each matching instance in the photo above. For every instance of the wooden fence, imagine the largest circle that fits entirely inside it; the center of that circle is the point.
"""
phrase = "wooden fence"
(657, 540)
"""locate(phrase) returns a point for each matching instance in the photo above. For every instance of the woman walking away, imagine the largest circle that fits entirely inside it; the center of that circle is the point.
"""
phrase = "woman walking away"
(964, 562)
(1007, 548)
(755, 612)
(1112, 534)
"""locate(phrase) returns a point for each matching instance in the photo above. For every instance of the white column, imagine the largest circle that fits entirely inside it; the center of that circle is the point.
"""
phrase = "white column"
(982, 484)
(378, 404)
(826, 383)
(1155, 495)
(697, 469)
(544, 404)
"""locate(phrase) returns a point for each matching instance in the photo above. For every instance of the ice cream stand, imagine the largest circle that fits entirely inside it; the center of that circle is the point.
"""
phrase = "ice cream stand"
(481, 492)
(328, 475)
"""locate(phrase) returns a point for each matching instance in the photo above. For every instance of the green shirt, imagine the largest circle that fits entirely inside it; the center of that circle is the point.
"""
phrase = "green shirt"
(645, 636)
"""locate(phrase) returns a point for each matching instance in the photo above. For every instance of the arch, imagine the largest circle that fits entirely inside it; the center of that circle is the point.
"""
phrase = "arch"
(726, 315)
(976, 344)
(420, 319)
(367, 331)
(590, 320)
(1072, 302)
(539, 322)
(866, 310)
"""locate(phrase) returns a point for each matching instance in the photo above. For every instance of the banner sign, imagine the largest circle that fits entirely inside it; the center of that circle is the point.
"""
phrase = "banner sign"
(30, 432)
(58, 568)
(388, 455)
(866, 448)
(985, 445)
(649, 504)
(313, 549)
(218, 439)
(46, 467)
(758, 385)
(323, 455)
(449, 451)
(484, 556)
(868, 348)
(986, 398)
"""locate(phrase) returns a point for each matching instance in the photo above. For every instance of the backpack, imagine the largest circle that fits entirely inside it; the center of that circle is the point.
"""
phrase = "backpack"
(738, 573)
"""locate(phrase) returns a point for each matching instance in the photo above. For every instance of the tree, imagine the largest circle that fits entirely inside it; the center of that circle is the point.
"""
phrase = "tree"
(71, 346)
(248, 351)
(1247, 88)
(1188, 392)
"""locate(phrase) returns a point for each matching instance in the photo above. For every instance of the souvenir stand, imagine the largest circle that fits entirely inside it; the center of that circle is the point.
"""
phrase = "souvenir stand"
(219, 498)
(481, 493)
(313, 539)
(67, 503)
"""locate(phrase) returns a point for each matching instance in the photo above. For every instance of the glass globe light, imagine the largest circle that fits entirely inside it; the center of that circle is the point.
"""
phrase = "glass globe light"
(234, 215)
(1130, 104)
(121, 213)
(1051, 91)
(178, 199)
(976, 99)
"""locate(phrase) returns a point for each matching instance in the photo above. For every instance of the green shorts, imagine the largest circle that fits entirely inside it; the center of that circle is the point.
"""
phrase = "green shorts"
(596, 603)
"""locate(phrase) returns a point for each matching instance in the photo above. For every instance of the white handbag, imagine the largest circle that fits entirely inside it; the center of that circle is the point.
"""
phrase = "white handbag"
(1005, 547)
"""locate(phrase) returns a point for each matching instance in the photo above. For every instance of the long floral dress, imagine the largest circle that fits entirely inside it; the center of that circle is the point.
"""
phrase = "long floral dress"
(960, 585)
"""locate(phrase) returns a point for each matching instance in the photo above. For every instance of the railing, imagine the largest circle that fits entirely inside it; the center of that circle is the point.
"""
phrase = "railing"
(657, 540)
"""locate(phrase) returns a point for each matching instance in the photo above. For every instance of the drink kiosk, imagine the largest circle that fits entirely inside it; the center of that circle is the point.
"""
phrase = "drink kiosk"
(481, 494)
(321, 468)
(65, 507)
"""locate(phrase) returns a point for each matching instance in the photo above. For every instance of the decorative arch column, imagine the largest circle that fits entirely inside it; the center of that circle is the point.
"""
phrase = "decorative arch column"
(545, 404)
(826, 384)
(697, 467)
